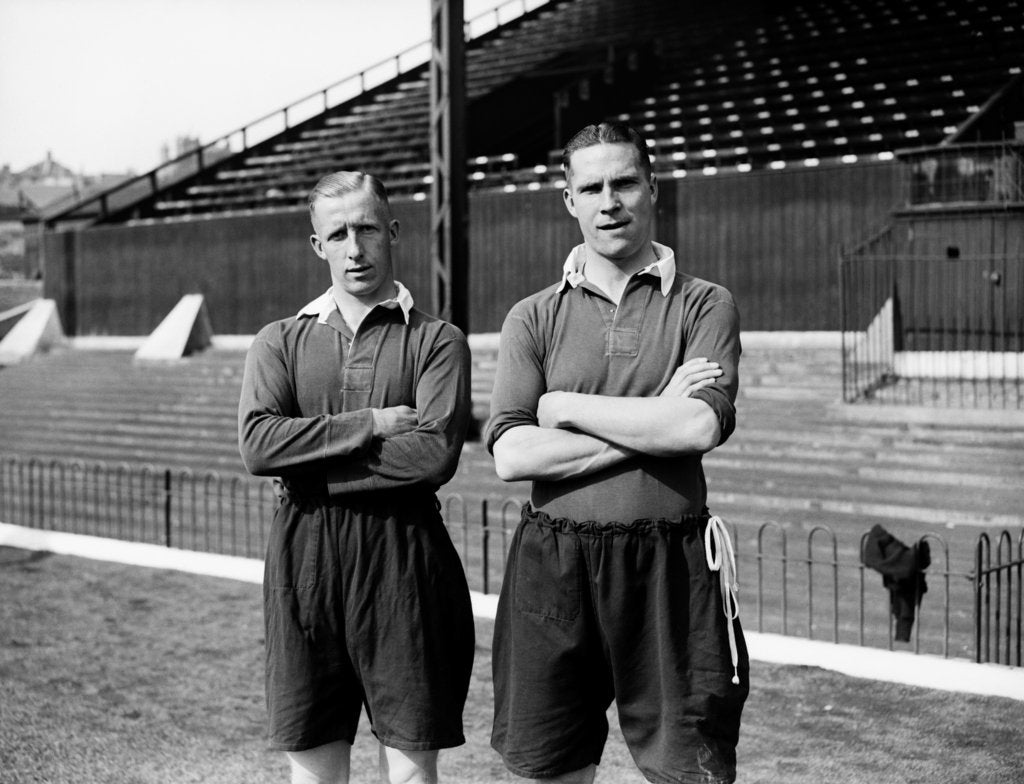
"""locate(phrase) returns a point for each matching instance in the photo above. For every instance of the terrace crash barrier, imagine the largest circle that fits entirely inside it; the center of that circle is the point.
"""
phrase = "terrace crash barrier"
(827, 590)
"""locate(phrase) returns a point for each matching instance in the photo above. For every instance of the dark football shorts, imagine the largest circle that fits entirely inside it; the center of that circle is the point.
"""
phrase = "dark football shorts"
(366, 603)
(631, 612)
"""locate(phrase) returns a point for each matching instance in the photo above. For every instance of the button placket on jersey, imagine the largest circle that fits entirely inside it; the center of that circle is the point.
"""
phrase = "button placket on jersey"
(624, 340)
(357, 370)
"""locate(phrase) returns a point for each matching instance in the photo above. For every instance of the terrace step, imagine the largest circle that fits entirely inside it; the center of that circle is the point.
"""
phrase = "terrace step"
(798, 455)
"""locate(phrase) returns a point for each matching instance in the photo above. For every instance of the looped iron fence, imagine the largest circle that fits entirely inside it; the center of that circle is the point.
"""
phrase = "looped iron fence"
(823, 593)
(999, 610)
(836, 597)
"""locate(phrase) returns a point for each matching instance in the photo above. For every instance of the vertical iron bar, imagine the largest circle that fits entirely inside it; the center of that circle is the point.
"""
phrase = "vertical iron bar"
(220, 514)
(760, 582)
(810, 586)
(244, 507)
(1001, 628)
(486, 537)
(195, 511)
(50, 501)
(977, 597)
(945, 579)
(5, 514)
(860, 624)
(785, 586)
(1020, 593)
(465, 531)
(66, 493)
(73, 501)
(835, 591)
(945, 601)
(843, 324)
(206, 512)
(988, 602)
(1009, 601)
(167, 507)
(119, 490)
(29, 514)
(810, 581)
(39, 487)
(917, 612)
(252, 512)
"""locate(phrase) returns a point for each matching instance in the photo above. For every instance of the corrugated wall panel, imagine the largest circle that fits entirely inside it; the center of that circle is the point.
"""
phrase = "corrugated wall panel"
(771, 238)
(251, 269)
(518, 242)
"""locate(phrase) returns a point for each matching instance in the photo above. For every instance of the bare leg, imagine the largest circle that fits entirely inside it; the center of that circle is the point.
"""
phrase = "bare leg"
(407, 767)
(581, 776)
(327, 764)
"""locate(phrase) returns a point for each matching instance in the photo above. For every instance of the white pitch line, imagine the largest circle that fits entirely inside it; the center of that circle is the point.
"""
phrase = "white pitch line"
(933, 672)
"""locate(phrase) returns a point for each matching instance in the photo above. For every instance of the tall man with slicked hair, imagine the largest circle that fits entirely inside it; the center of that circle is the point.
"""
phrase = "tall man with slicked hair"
(359, 406)
(620, 583)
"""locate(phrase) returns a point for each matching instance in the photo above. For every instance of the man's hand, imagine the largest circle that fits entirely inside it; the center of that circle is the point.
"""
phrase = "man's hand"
(393, 421)
(692, 375)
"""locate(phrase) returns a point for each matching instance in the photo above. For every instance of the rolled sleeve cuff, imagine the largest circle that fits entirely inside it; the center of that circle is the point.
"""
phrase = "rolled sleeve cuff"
(499, 425)
(724, 410)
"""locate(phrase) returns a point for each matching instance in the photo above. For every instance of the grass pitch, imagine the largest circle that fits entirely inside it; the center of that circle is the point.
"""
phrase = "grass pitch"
(123, 675)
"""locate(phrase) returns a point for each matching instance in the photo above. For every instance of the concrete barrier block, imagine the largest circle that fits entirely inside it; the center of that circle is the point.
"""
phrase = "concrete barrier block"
(39, 329)
(12, 316)
(185, 330)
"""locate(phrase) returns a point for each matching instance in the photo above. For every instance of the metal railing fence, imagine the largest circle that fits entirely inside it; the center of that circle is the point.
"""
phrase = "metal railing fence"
(826, 592)
(820, 593)
(206, 512)
(998, 610)
(935, 329)
(987, 173)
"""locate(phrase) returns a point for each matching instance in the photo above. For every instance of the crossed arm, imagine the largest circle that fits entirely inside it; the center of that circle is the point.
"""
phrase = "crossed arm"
(415, 446)
(366, 449)
(579, 434)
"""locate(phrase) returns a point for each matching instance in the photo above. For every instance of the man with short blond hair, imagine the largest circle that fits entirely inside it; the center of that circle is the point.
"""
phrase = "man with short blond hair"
(359, 407)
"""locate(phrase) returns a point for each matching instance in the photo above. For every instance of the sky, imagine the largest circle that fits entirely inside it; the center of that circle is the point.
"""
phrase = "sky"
(104, 84)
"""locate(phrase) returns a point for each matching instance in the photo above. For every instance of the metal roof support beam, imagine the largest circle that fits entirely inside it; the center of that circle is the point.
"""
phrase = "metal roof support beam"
(449, 252)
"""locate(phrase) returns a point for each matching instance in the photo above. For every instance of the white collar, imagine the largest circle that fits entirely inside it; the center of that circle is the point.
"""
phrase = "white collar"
(664, 268)
(323, 305)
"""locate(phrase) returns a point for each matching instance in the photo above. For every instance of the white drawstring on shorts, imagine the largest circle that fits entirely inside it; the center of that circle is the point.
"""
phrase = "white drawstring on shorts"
(722, 558)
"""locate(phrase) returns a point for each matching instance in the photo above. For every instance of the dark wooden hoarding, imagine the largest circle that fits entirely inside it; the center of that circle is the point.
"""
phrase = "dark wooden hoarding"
(772, 238)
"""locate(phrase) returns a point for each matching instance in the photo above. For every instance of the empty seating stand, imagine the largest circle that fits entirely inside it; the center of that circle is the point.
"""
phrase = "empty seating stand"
(386, 131)
(823, 81)
(832, 82)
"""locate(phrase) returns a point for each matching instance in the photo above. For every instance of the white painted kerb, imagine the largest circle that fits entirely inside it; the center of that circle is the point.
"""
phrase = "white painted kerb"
(931, 672)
